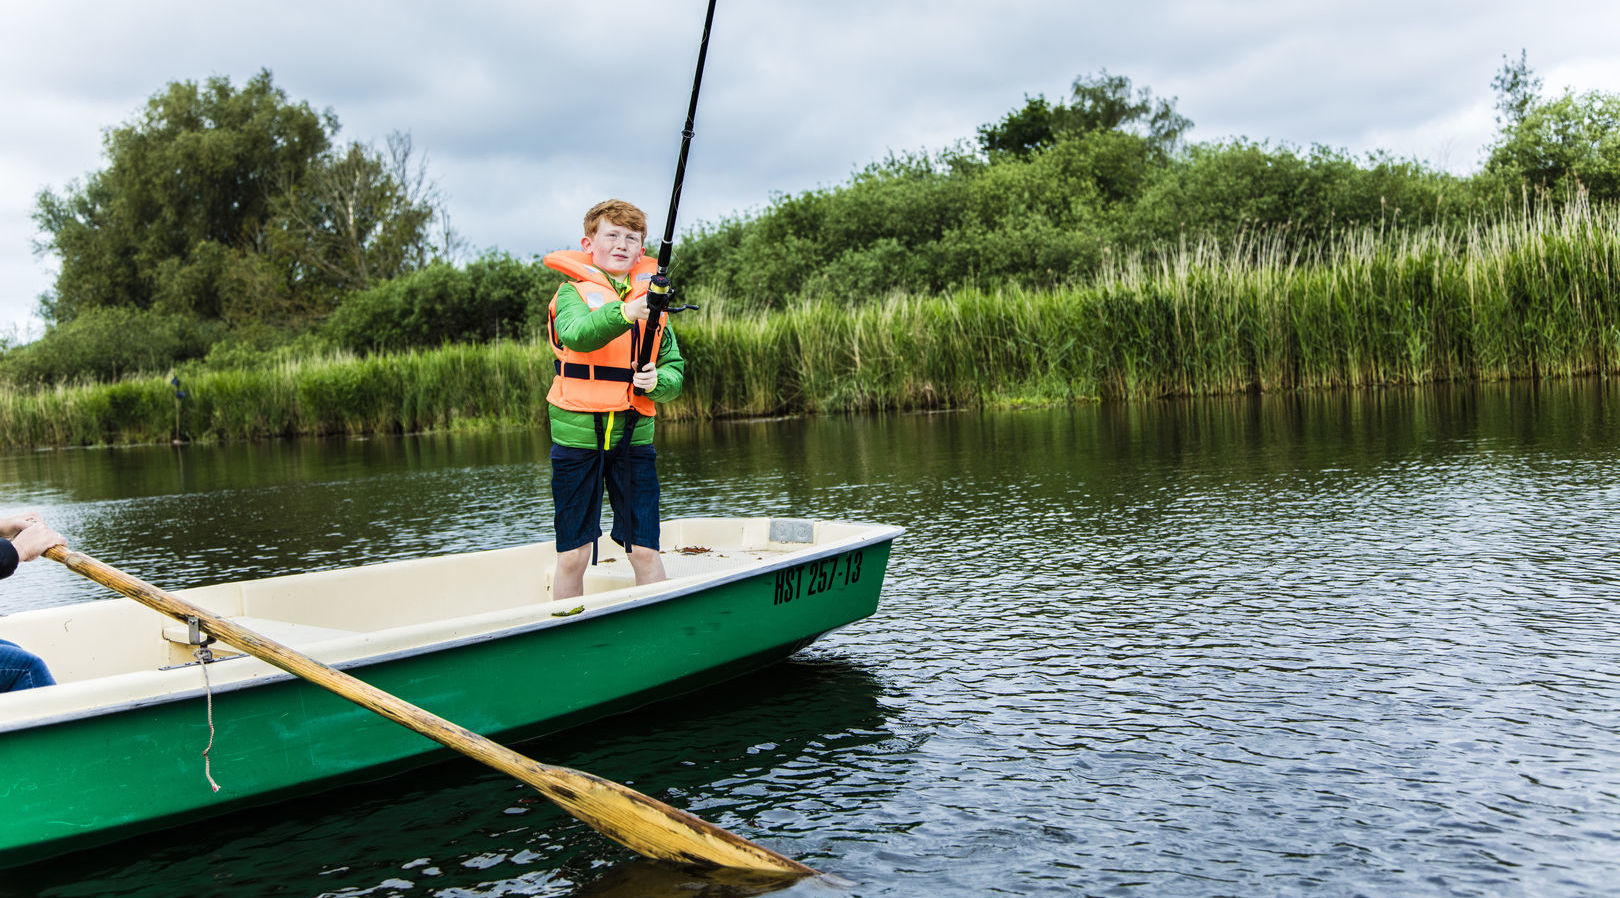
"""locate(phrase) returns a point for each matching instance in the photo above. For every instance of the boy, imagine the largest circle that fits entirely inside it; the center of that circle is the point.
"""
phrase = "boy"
(601, 430)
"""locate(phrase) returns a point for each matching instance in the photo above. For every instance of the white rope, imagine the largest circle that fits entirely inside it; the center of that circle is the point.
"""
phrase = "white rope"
(203, 657)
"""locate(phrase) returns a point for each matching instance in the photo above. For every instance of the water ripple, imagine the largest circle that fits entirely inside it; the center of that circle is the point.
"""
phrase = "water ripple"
(1280, 646)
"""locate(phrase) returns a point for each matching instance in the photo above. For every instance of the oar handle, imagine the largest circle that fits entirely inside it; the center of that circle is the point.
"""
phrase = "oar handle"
(642, 824)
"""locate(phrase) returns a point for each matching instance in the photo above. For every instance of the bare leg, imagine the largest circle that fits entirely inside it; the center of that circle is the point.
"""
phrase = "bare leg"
(648, 565)
(569, 580)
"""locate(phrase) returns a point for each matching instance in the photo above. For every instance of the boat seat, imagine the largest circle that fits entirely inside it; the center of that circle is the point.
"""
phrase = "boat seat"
(284, 632)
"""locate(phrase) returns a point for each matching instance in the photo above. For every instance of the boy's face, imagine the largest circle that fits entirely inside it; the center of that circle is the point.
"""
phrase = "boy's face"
(613, 248)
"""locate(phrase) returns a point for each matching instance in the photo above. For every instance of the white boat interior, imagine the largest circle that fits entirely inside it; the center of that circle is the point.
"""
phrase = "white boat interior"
(115, 651)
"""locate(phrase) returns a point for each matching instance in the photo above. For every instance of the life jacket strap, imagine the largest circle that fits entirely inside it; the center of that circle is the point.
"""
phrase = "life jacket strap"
(593, 372)
(605, 456)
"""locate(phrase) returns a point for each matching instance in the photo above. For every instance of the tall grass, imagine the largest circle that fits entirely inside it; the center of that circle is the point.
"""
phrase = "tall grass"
(1532, 294)
(496, 385)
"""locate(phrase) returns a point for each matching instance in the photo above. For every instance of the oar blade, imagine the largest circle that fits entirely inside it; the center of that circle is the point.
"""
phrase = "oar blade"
(651, 828)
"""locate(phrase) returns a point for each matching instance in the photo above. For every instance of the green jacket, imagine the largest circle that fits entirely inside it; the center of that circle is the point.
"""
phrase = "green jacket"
(584, 329)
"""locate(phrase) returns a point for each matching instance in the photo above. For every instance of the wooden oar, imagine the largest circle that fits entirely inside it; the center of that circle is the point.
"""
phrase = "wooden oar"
(644, 825)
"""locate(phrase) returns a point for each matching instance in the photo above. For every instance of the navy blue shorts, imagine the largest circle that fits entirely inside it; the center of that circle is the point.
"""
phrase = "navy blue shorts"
(576, 495)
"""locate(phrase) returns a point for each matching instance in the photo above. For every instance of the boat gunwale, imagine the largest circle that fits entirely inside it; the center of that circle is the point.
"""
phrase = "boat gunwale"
(880, 533)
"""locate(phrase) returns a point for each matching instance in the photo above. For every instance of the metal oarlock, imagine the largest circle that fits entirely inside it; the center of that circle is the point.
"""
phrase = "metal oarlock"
(195, 636)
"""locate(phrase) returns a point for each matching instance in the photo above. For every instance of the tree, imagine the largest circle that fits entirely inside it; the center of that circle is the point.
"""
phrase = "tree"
(220, 203)
(1559, 145)
(1105, 103)
(1572, 142)
(1022, 130)
(360, 216)
(1517, 89)
(187, 185)
(1097, 104)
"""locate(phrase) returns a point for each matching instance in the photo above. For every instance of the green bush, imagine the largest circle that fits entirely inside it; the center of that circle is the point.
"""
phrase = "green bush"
(1218, 191)
(493, 297)
(107, 344)
(255, 347)
(1051, 215)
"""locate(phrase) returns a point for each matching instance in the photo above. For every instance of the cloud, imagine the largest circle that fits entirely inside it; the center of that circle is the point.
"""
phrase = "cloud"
(529, 112)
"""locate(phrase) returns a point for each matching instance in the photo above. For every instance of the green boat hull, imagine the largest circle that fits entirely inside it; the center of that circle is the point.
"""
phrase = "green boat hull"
(97, 778)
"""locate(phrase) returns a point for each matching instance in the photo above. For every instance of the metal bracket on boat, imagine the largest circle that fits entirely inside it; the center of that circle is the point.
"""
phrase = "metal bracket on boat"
(196, 637)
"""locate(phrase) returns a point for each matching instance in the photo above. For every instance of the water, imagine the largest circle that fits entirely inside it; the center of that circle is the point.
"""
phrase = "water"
(1341, 645)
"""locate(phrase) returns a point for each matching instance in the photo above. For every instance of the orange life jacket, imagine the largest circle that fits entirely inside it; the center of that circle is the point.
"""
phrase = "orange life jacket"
(599, 381)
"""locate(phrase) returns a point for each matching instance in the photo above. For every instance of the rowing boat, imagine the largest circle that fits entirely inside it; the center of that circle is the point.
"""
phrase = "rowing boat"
(117, 747)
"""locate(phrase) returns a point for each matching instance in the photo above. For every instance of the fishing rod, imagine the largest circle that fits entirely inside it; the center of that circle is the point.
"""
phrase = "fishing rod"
(659, 291)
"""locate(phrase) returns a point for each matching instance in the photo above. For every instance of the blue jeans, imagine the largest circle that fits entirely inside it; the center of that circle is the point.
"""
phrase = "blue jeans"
(21, 669)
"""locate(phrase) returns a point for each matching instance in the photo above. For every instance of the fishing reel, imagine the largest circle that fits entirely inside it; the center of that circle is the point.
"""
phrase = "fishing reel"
(659, 293)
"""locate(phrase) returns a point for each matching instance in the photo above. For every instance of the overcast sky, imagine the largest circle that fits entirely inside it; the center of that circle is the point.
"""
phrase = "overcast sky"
(531, 110)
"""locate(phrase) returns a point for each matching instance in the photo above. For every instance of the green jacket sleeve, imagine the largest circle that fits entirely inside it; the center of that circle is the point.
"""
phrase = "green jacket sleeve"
(584, 329)
(671, 368)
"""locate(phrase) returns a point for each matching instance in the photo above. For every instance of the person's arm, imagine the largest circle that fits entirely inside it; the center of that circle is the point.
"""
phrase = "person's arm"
(8, 559)
(584, 329)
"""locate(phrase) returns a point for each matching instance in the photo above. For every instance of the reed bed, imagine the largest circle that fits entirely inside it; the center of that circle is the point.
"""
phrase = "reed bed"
(457, 386)
(1533, 294)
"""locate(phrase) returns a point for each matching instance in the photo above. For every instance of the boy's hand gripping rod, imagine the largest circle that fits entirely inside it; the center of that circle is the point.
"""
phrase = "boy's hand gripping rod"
(659, 291)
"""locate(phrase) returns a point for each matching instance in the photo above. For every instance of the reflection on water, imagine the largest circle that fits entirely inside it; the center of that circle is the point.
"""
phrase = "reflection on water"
(1347, 643)
(642, 878)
